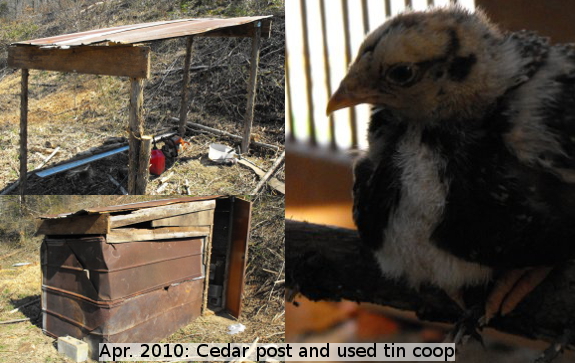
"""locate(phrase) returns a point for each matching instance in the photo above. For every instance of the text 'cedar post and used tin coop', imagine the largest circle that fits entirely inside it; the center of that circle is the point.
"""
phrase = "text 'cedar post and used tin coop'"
(121, 51)
(138, 272)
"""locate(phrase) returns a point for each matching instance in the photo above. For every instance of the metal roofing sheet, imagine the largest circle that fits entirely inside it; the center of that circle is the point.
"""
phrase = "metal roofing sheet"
(138, 33)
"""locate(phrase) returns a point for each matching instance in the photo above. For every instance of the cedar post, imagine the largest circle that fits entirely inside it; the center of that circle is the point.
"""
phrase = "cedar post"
(255, 59)
(144, 164)
(136, 130)
(185, 89)
(24, 132)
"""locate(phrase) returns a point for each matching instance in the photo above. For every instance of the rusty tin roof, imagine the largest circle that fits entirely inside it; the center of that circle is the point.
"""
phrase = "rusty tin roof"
(145, 32)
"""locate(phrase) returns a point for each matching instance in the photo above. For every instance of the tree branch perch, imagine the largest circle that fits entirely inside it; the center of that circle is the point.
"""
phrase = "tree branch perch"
(329, 263)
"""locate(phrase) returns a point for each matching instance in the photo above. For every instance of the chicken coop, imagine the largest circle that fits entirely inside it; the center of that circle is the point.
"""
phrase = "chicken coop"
(138, 272)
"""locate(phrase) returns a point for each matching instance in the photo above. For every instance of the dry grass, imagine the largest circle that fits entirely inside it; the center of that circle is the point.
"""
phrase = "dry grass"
(18, 286)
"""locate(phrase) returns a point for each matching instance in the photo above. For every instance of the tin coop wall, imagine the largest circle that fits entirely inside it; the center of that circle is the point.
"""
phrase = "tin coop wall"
(142, 281)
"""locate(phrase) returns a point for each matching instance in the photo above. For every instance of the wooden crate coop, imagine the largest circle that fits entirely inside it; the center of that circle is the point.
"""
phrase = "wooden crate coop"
(138, 272)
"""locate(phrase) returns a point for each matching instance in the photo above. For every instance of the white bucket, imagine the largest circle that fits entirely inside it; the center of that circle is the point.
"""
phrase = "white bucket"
(220, 153)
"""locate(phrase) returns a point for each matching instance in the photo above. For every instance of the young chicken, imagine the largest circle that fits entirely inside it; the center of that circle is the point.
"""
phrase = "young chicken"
(470, 173)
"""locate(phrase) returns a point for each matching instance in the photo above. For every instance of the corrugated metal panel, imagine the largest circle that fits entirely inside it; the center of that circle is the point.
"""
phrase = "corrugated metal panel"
(145, 318)
(144, 32)
(97, 270)
(130, 292)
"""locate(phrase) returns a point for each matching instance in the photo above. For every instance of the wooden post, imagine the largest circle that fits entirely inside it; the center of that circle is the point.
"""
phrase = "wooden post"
(144, 164)
(24, 132)
(252, 87)
(185, 87)
(135, 130)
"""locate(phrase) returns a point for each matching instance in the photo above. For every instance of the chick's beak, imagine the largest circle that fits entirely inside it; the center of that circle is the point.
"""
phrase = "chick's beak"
(344, 97)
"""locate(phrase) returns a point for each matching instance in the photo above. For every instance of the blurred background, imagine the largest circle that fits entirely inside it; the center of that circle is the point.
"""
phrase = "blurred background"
(322, 38)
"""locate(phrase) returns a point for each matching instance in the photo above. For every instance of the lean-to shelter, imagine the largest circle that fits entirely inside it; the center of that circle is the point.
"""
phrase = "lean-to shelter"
(122, 51)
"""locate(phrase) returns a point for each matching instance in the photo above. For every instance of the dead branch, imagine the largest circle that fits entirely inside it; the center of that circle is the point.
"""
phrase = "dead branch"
(328, 263)
(274, 168)
(45, 161)
(118, 185)
(14, 321)
(24, 305)
(273, 182)
(193, 125)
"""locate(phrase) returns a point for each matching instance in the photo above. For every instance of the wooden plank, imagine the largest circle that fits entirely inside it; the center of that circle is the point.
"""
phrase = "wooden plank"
(185, 87)
(143, 164)
(24, 131)
(240, 234)
(122, 235)
(85, 224)
(135, 132)
(126, 61)
(171, 210)
(249, 118)
(243, 31)
(203, 218)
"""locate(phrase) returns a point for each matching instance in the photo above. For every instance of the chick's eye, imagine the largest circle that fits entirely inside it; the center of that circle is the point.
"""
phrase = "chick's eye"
(401, 73)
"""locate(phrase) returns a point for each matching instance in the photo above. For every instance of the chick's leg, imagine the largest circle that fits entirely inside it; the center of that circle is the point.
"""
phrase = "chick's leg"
(511, 288)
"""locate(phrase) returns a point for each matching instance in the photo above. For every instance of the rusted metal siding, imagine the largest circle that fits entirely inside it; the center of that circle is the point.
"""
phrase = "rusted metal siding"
(147, 317)
(100, 291)
(98, 270)
(139, 33)
(121, 293)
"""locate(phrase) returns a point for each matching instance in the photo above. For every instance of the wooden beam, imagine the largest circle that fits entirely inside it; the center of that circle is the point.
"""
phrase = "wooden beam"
(202, 218)
(327, 263)
(122, 235)
(185, 87)
(86, 224)
(24, 131)
(171, 210)
(128, 61)
(144, 164)
(255, 60)
(135, 130)
(242, 31)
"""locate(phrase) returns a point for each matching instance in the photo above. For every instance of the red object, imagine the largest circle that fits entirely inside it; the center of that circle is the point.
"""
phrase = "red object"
(157, 162)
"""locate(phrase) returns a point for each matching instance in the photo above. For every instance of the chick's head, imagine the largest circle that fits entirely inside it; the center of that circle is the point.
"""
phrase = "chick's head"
(436, 64)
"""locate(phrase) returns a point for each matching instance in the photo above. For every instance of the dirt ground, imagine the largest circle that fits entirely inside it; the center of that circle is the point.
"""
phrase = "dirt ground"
(263, 306)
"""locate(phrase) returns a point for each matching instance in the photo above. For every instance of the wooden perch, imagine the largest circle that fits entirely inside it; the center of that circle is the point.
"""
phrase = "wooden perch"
(328, 263)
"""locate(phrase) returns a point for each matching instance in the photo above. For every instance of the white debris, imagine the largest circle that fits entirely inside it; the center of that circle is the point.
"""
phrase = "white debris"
(236, 328)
